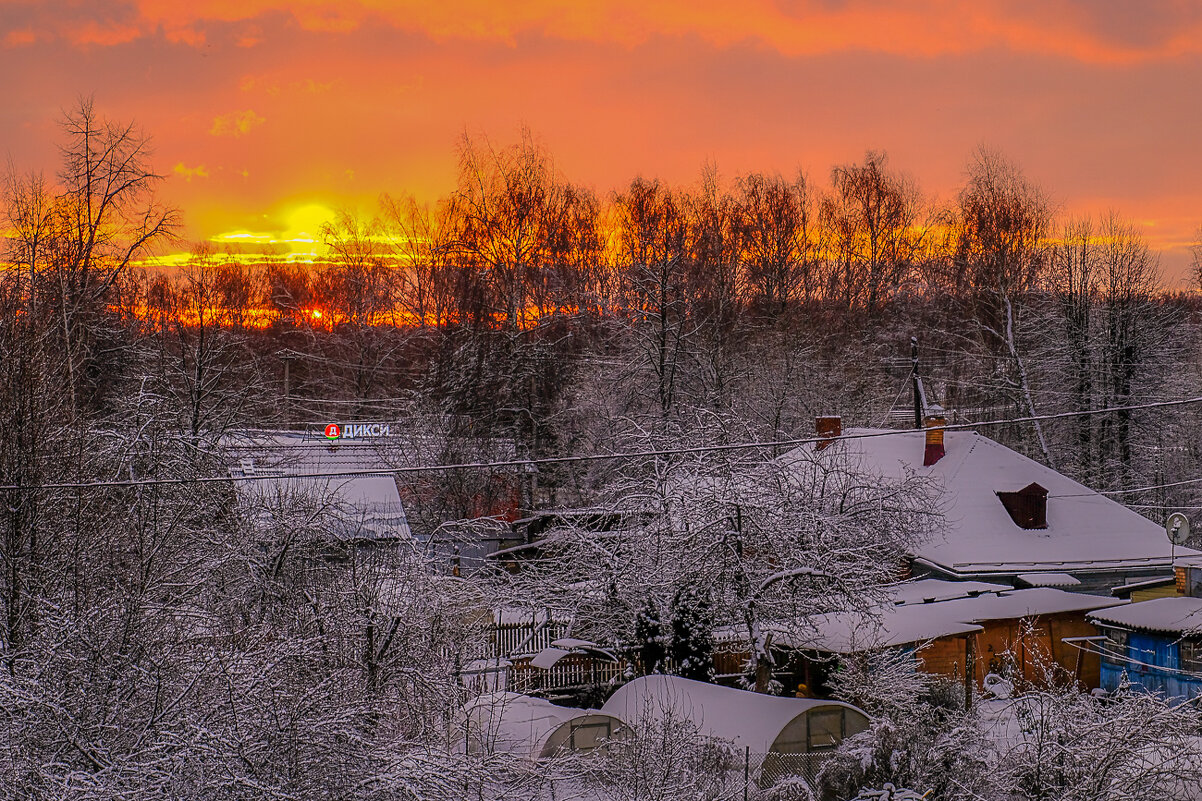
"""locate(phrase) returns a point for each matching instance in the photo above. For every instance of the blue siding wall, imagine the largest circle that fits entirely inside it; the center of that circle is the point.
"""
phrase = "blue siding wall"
(1156, 652)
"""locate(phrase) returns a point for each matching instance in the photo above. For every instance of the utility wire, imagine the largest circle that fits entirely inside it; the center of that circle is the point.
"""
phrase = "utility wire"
(1130, 491)
(600, 457)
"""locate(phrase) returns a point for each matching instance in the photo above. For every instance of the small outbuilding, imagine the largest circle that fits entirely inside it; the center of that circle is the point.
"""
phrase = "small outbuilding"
(1155, 645)
(534, 728)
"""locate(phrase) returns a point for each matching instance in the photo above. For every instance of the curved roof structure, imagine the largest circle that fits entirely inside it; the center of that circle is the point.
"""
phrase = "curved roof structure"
(760, 722)
(534, 727)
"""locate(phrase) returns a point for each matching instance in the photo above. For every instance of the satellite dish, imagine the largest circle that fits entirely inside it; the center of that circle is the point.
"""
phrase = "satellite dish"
(1177, 527)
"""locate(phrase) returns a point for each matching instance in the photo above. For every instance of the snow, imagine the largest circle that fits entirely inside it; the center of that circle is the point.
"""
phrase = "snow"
(1178, 615)
(1048, 579)
(358, 506)
(909, 617)
(1127, 587)
(548, 657)
(522, 725)
(742, 718)
(1086, 531)
(941, 590)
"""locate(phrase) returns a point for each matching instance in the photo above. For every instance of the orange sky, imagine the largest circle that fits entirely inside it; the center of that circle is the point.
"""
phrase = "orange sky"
(268, 113)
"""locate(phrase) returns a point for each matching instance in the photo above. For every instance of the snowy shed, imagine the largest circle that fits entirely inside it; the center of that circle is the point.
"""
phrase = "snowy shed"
(1156, 645)
(762, 723)
(1007, 517)
(534, 728)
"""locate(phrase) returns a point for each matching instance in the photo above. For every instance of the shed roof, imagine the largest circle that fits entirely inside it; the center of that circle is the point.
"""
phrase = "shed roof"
(746, 719)
(1086, 531)
(1177, 615)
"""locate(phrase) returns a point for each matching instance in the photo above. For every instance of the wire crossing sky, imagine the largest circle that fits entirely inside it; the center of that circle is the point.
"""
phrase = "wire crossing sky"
(598, 457)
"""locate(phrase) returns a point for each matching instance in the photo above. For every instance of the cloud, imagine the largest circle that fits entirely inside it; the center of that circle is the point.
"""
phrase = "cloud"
(1075, 29)
(236, 124)
(188, 173)
(103, 34)
(20, 38)
(1090, 31)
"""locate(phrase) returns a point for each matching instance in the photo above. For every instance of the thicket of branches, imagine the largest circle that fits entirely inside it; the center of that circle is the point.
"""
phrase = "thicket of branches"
(166, 641)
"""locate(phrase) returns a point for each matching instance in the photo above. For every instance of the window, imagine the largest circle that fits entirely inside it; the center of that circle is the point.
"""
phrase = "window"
(1114, 649)
(587, 736)
(1193, 580)
(826, 728)
(1190, 655)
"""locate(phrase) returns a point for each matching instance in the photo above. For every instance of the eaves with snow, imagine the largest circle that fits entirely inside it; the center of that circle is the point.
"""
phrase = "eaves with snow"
(982, 488)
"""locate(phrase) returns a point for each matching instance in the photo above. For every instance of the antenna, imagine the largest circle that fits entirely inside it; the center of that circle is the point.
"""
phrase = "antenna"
(1177, 527)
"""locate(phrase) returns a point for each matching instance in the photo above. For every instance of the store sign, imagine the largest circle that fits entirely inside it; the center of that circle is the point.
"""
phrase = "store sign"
(356, 430)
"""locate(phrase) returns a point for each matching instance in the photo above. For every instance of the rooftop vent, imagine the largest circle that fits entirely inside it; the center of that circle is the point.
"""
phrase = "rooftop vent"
(1028, 507)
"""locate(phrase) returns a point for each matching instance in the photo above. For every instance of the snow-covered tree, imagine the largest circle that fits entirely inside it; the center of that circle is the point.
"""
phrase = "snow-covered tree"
(770, 541)
(650, 637)
(693, 634)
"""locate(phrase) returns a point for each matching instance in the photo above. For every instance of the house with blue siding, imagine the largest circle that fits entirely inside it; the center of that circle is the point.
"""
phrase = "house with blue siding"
(1156, 645)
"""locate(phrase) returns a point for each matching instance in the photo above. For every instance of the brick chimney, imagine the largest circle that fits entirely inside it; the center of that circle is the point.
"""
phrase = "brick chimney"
(828, 427)
(935, 421)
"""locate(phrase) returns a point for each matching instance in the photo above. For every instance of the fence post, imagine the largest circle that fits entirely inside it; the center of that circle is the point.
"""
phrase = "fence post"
(746, 771)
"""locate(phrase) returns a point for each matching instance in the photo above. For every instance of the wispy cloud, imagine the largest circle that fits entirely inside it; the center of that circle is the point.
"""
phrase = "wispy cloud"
(20, 37)
(188, 173)
(236, 124)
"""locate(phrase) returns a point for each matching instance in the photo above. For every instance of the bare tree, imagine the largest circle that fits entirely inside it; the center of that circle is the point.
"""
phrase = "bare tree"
(876, 233)
(1003, 221)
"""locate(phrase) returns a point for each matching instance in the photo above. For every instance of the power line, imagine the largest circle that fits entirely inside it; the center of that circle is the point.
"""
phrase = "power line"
(1131, 491)
(602, 457)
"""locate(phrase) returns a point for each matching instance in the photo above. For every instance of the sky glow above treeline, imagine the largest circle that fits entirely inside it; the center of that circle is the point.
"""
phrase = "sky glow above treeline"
(267, 115)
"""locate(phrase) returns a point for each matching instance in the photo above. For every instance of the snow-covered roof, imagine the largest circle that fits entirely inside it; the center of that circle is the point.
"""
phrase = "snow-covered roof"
(924, 610)
(1085, 531)
(940, 590)
(1177, 615)
(1048, 579)
(743, 718)
(1126, 588)
(525, 726)
(292, 466)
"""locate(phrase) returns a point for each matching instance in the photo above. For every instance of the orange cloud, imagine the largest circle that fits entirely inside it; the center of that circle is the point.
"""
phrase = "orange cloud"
(188, 173)
(20, 38)
(1064, 28)
(237, 124)
(104, 35)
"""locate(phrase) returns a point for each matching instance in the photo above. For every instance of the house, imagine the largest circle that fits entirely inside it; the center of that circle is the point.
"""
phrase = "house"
(534, 728)
(1017, 633)
(785, 735)
(1007, 519)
